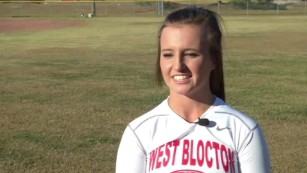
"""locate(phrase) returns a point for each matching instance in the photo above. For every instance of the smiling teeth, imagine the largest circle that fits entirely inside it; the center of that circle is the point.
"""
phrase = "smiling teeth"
(182, 77)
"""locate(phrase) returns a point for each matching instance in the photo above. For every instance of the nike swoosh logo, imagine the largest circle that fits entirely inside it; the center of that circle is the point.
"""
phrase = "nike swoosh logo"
(221, 128)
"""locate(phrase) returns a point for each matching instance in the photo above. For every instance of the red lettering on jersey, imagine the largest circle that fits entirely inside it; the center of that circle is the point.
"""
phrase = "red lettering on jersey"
(194, 153)
(192, 160)
(152, 160)
(208, 160)
(200, 153)
(230, 160)
(185, 152)
(216, 147)
(160, 154)
(167, 154)
(224, 158)
(175, 144)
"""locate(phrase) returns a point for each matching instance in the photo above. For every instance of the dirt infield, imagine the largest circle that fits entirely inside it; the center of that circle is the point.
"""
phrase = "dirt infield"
(28, 25)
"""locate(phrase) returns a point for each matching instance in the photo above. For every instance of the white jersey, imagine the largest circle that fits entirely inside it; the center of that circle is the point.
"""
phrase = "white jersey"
(160, 141)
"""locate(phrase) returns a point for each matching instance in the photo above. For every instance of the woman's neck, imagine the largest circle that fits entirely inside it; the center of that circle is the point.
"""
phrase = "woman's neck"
(188, 108)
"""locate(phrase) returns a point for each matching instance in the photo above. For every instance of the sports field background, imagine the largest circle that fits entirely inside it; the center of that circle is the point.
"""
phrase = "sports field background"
(69, 86)
(75, 8)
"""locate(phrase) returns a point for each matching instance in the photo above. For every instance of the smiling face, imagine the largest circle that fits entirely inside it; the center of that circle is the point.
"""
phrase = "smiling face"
(184, 61)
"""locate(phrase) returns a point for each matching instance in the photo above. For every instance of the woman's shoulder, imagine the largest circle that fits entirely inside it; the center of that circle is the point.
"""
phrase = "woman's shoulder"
(150, 117)
(229, 115)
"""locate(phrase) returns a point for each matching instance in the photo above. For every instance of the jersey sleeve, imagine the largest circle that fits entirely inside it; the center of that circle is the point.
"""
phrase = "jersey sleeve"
(254, 154)
(131, 156)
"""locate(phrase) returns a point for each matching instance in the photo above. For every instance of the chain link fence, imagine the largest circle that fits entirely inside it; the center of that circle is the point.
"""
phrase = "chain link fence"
(142, 8)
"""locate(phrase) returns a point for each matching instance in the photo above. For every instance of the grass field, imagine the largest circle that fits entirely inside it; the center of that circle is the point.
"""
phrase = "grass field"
(67, 94)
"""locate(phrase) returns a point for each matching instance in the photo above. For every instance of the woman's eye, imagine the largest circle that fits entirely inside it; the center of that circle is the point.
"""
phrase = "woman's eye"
(167, 55)
(191, 54)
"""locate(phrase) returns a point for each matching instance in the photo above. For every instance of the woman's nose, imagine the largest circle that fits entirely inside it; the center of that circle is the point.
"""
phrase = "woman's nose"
(179, 63)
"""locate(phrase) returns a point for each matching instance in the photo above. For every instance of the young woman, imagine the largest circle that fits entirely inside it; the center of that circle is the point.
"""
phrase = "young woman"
(193, 130)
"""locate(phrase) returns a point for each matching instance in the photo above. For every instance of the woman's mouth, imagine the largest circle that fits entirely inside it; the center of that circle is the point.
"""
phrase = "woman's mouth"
(181, 77)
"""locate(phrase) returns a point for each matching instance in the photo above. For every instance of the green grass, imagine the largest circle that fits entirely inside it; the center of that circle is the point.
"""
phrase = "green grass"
(66, 95)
